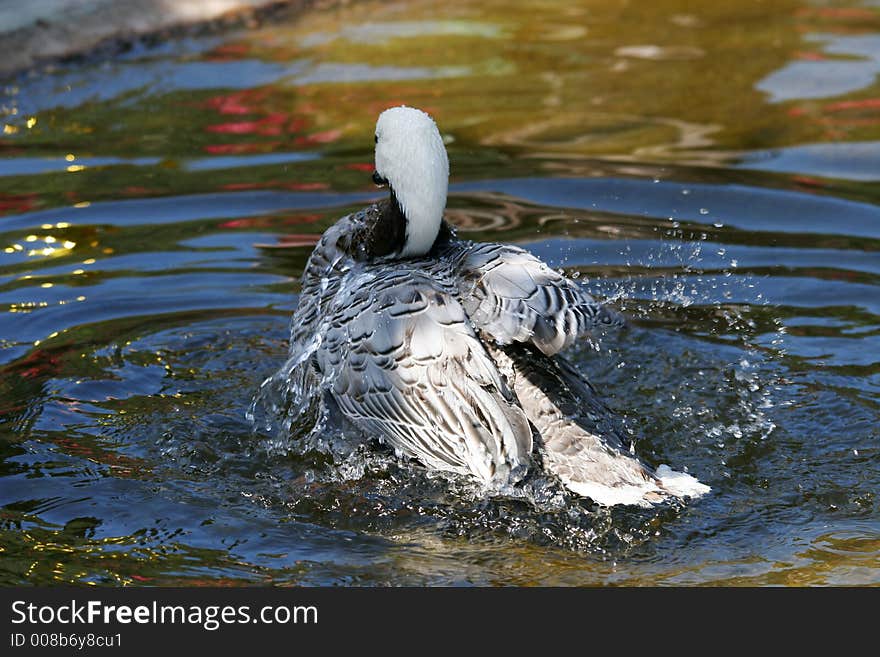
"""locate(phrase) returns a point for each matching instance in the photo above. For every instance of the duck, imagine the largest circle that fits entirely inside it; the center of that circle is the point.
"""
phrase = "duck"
(449, 350)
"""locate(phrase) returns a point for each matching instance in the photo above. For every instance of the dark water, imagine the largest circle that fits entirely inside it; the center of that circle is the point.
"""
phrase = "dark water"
(713, 170)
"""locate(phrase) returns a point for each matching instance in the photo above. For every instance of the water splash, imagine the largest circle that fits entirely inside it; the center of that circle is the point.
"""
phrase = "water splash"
(720, 397)
(287, 405)
(307, 423)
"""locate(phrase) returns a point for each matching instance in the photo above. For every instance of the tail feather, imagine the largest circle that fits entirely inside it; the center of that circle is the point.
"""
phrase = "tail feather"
(581, 441)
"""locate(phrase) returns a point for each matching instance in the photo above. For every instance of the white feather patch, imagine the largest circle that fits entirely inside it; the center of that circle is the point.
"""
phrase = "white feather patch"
(680, 484)
(411, 156)
(613, 495)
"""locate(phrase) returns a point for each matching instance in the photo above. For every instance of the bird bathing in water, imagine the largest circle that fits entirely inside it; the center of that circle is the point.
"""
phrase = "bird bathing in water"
(449, 350)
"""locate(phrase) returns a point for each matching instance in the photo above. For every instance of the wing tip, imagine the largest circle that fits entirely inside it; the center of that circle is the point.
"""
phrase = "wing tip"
(680, 484)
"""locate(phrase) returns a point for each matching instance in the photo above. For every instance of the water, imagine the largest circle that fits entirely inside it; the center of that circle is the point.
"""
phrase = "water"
(710, 169)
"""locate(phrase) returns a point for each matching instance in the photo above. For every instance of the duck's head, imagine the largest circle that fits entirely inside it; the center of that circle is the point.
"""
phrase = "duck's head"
(411, 159)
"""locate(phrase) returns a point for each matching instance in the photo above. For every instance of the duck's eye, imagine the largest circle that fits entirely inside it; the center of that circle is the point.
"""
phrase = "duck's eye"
(379, 180)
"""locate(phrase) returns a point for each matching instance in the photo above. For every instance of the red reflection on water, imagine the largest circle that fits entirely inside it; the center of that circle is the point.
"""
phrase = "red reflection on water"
(810, 56)
(242, 128)
(36, 363)
(297, 124)
(809, 181)
(269, 222)
(325, 137)
(837, 116)
(137, 190)
(122, 465)
(843, 105)
(239, 102)
(275, 184)
(227, 52)
(15, 407)
(836, 20)
(264, 122)
(238, 149)
(292, 241)
(306, 186)
(836, 13)
(237, 187)
(359, 166)
(268, 125)
(18, 203)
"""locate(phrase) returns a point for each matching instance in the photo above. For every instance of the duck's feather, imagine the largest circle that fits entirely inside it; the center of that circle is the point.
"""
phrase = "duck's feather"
(400, 346)
(401, 360)
(581, 440)
(511, 296)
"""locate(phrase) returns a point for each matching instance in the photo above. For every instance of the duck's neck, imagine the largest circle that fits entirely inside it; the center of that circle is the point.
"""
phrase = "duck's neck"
(385, 233)
(423, 209)
(389, 232)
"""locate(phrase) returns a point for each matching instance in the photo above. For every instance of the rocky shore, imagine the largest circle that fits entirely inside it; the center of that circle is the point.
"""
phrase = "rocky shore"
(45, 30)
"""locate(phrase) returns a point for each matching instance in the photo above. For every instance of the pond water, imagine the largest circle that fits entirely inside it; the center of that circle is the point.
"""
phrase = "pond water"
(710, 168)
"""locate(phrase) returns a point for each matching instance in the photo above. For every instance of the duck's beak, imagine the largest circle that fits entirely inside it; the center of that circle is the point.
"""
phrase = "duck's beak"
(379, 180)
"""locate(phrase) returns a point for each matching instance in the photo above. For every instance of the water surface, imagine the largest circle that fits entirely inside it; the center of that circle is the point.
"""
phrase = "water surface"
(710, 168)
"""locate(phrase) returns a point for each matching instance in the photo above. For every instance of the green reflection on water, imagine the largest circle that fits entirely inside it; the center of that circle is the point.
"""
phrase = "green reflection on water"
(520, 90)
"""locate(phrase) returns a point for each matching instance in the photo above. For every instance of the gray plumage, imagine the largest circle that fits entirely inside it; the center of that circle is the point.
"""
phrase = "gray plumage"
(447, 357)
(447, 349)
(514, 297)
(581, 440)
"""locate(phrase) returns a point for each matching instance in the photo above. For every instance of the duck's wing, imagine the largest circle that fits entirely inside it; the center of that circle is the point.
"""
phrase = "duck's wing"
(400, 359)
(582, 440)
(512, 296)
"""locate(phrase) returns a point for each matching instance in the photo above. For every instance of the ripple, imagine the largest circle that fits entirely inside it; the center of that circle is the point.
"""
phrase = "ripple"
(851, 160)
(694, 179)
